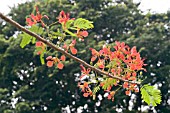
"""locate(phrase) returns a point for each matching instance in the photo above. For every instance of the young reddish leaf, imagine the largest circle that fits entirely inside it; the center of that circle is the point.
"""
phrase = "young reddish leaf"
(93, 51)
(132, 78)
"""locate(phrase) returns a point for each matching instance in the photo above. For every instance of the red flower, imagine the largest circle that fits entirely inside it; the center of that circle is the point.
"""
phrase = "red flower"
(36, 18)
(63, 58)
(93, 58)
(94, 52)
(39, 44)
(73, 50)
(63, 17)
(52, 60)
(125, 85)
(111, 95)
(81, 34)
(85, 89)
(50, 63)
(100, 64)
(60, 65)
(127, 92)
(84, 71)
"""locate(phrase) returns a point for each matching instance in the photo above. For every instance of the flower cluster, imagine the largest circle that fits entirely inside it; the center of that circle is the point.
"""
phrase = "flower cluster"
(85, 89)
(64, 18)
(34, 19)
(52, 60)
(124, 62)
(71, 47)
(81, 34)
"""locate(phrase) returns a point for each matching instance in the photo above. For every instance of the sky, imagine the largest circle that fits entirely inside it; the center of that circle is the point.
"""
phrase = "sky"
(159, 6)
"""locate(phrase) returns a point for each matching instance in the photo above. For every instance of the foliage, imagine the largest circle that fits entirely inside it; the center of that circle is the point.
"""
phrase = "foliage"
(151, 95)
(123, 22)
(83, 23)
(26, 38)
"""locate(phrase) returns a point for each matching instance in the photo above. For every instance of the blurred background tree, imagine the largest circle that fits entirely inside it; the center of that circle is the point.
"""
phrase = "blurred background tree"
(26, 86)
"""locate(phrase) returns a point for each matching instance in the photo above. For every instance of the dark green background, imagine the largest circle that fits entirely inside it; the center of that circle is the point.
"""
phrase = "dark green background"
(22, 76)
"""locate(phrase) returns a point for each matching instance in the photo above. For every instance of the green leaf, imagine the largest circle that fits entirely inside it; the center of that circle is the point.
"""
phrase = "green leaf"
(36, 29)
(55, 35)
(151, 95)
(26, 38)
(42, 58)
(108, 82)
(96, 89)
(68, 24)
(33, 40)
(83, 23)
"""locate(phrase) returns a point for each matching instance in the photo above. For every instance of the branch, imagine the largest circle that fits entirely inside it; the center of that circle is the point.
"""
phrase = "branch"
(62, 51)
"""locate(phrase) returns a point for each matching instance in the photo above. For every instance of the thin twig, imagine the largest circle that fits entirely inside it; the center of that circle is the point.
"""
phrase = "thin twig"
(17, 25)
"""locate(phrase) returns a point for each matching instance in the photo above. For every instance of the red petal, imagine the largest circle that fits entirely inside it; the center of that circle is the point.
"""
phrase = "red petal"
(46, 16)
(60, 65)
(134, 74)
(49, 58)
(101, 66)
(109, 97)
(125, 85)
(63, 58)
(73, 42)
(85, 84)
(33, 17)
(84, 33)
(38, 44)
(28, 20)
(86, 94)
(101, 84)
(73, 50)
(127, 92)
(83, 69)
(93, 58)
(50, 63)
